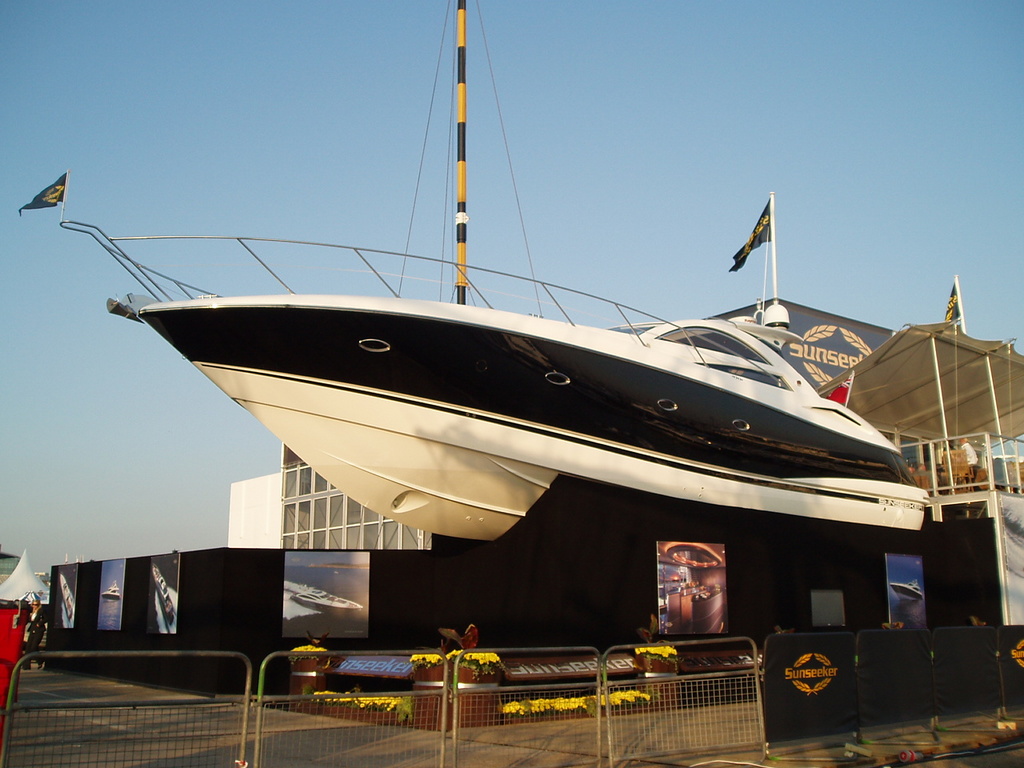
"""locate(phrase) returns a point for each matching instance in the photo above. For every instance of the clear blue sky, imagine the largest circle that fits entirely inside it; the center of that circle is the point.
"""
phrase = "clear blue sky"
(645, 139)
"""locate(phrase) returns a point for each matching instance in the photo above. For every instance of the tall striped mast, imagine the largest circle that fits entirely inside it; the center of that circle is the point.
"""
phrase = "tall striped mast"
(461, 218)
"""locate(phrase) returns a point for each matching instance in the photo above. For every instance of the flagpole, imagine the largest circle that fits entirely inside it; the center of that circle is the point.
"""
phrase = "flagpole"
(64, 198)
(774, 238)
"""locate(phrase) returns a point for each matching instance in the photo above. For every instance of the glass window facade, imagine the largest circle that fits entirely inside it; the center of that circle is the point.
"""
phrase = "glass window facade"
(316, 515)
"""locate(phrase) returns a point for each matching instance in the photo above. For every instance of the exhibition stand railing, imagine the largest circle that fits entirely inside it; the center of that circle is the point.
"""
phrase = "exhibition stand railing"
(823, 696)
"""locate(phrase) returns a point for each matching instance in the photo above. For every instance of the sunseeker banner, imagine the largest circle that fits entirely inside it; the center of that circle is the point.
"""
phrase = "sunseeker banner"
(829, 344)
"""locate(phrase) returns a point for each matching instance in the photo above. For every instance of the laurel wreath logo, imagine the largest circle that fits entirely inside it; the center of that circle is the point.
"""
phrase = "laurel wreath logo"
(817, 374)
(820, 685)
(819, 332)
(855, 341)
(1018, 653)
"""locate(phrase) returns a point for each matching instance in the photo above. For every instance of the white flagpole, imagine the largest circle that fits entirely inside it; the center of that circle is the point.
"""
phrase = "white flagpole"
(64, 199)
(775, 265)
(960, 304)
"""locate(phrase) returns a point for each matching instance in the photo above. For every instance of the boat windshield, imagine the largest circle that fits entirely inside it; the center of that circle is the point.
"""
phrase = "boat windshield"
(708, 338)
(716, 341)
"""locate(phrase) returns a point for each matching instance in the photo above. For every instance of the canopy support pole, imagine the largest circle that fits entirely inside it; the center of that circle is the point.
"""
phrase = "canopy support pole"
(938, 386)
(992, 393)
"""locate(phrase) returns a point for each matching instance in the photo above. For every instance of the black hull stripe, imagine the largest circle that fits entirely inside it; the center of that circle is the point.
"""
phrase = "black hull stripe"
(488, 370)
(616, 448)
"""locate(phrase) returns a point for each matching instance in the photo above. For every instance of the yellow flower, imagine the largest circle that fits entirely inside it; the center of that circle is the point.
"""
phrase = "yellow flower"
(621, 698)
(566, 704)
(375, 703)
(656, 651)
(420, 660)
(479, 661)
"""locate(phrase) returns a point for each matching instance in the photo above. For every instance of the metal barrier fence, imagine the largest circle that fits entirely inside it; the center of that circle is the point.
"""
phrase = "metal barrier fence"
(538, 717)
(110, 729)
(677, 704)
(360, 730)
(556, 708)
(678, 709)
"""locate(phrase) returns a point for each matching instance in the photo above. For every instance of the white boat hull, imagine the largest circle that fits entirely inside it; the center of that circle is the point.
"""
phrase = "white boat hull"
(459, 475)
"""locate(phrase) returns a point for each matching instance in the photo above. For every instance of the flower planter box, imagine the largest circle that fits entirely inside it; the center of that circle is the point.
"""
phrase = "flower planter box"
(426, 712)
(470, 678)
(307, 674)
(648, 667)
(428, 677)
(367, 716)
(547, 717)
(477, 710)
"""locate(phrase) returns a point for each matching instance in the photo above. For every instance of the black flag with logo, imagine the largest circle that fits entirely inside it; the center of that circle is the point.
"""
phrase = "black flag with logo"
(762, 234)
(953, 313)
(51, 196)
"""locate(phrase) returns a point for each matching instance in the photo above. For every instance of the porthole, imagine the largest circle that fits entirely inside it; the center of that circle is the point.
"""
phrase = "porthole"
(557, 378)
(374, 345)
(667, 405)
(741, 425)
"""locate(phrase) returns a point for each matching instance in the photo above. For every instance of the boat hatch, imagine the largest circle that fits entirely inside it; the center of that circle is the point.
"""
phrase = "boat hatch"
(837, 412)
(751, 373)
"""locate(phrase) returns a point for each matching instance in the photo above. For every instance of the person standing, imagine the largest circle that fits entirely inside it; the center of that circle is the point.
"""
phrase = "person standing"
(35, 629)
(971, 455)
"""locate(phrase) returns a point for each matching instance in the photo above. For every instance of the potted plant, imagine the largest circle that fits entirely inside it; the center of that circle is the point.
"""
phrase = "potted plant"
(308, 670)
(658, 658)
(475, 668)
(483, 668)
(428, 669)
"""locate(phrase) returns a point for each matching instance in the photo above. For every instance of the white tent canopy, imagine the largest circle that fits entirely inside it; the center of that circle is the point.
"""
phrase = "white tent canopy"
(23, 583)
(934, 382)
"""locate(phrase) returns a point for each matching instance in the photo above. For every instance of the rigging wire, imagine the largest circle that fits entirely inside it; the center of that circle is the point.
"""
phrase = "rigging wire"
(447, 206)
(508, 155)
(426, 134)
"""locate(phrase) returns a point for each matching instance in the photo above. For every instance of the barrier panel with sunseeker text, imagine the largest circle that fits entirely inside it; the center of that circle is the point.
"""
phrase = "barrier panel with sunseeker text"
(1011, 669)
(810, 686)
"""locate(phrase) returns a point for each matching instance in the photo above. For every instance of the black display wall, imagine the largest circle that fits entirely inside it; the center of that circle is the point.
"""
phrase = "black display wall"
(580, 569)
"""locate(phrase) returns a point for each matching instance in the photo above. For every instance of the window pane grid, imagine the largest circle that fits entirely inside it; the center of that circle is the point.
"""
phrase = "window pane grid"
(316, 515)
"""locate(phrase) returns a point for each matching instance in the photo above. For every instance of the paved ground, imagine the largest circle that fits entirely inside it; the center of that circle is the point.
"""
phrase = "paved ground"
(972, 745)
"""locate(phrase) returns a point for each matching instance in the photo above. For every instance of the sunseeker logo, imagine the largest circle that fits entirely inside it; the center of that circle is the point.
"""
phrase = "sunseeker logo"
(1018, 653)
(811, 678)
(814, 356)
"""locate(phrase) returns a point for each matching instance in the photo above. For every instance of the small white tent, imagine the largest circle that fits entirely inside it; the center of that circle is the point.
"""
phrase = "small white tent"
(23, 584)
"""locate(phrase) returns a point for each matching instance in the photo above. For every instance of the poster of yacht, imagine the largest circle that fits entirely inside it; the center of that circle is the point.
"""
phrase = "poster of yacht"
(326, 593)
(904, 577)
(1011, 524)
(162, 614)
(692, 598)
(111, 579)
(64, 597)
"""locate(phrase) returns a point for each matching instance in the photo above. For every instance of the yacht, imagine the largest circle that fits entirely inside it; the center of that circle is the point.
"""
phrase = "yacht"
(113, 592)
(451, 407)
